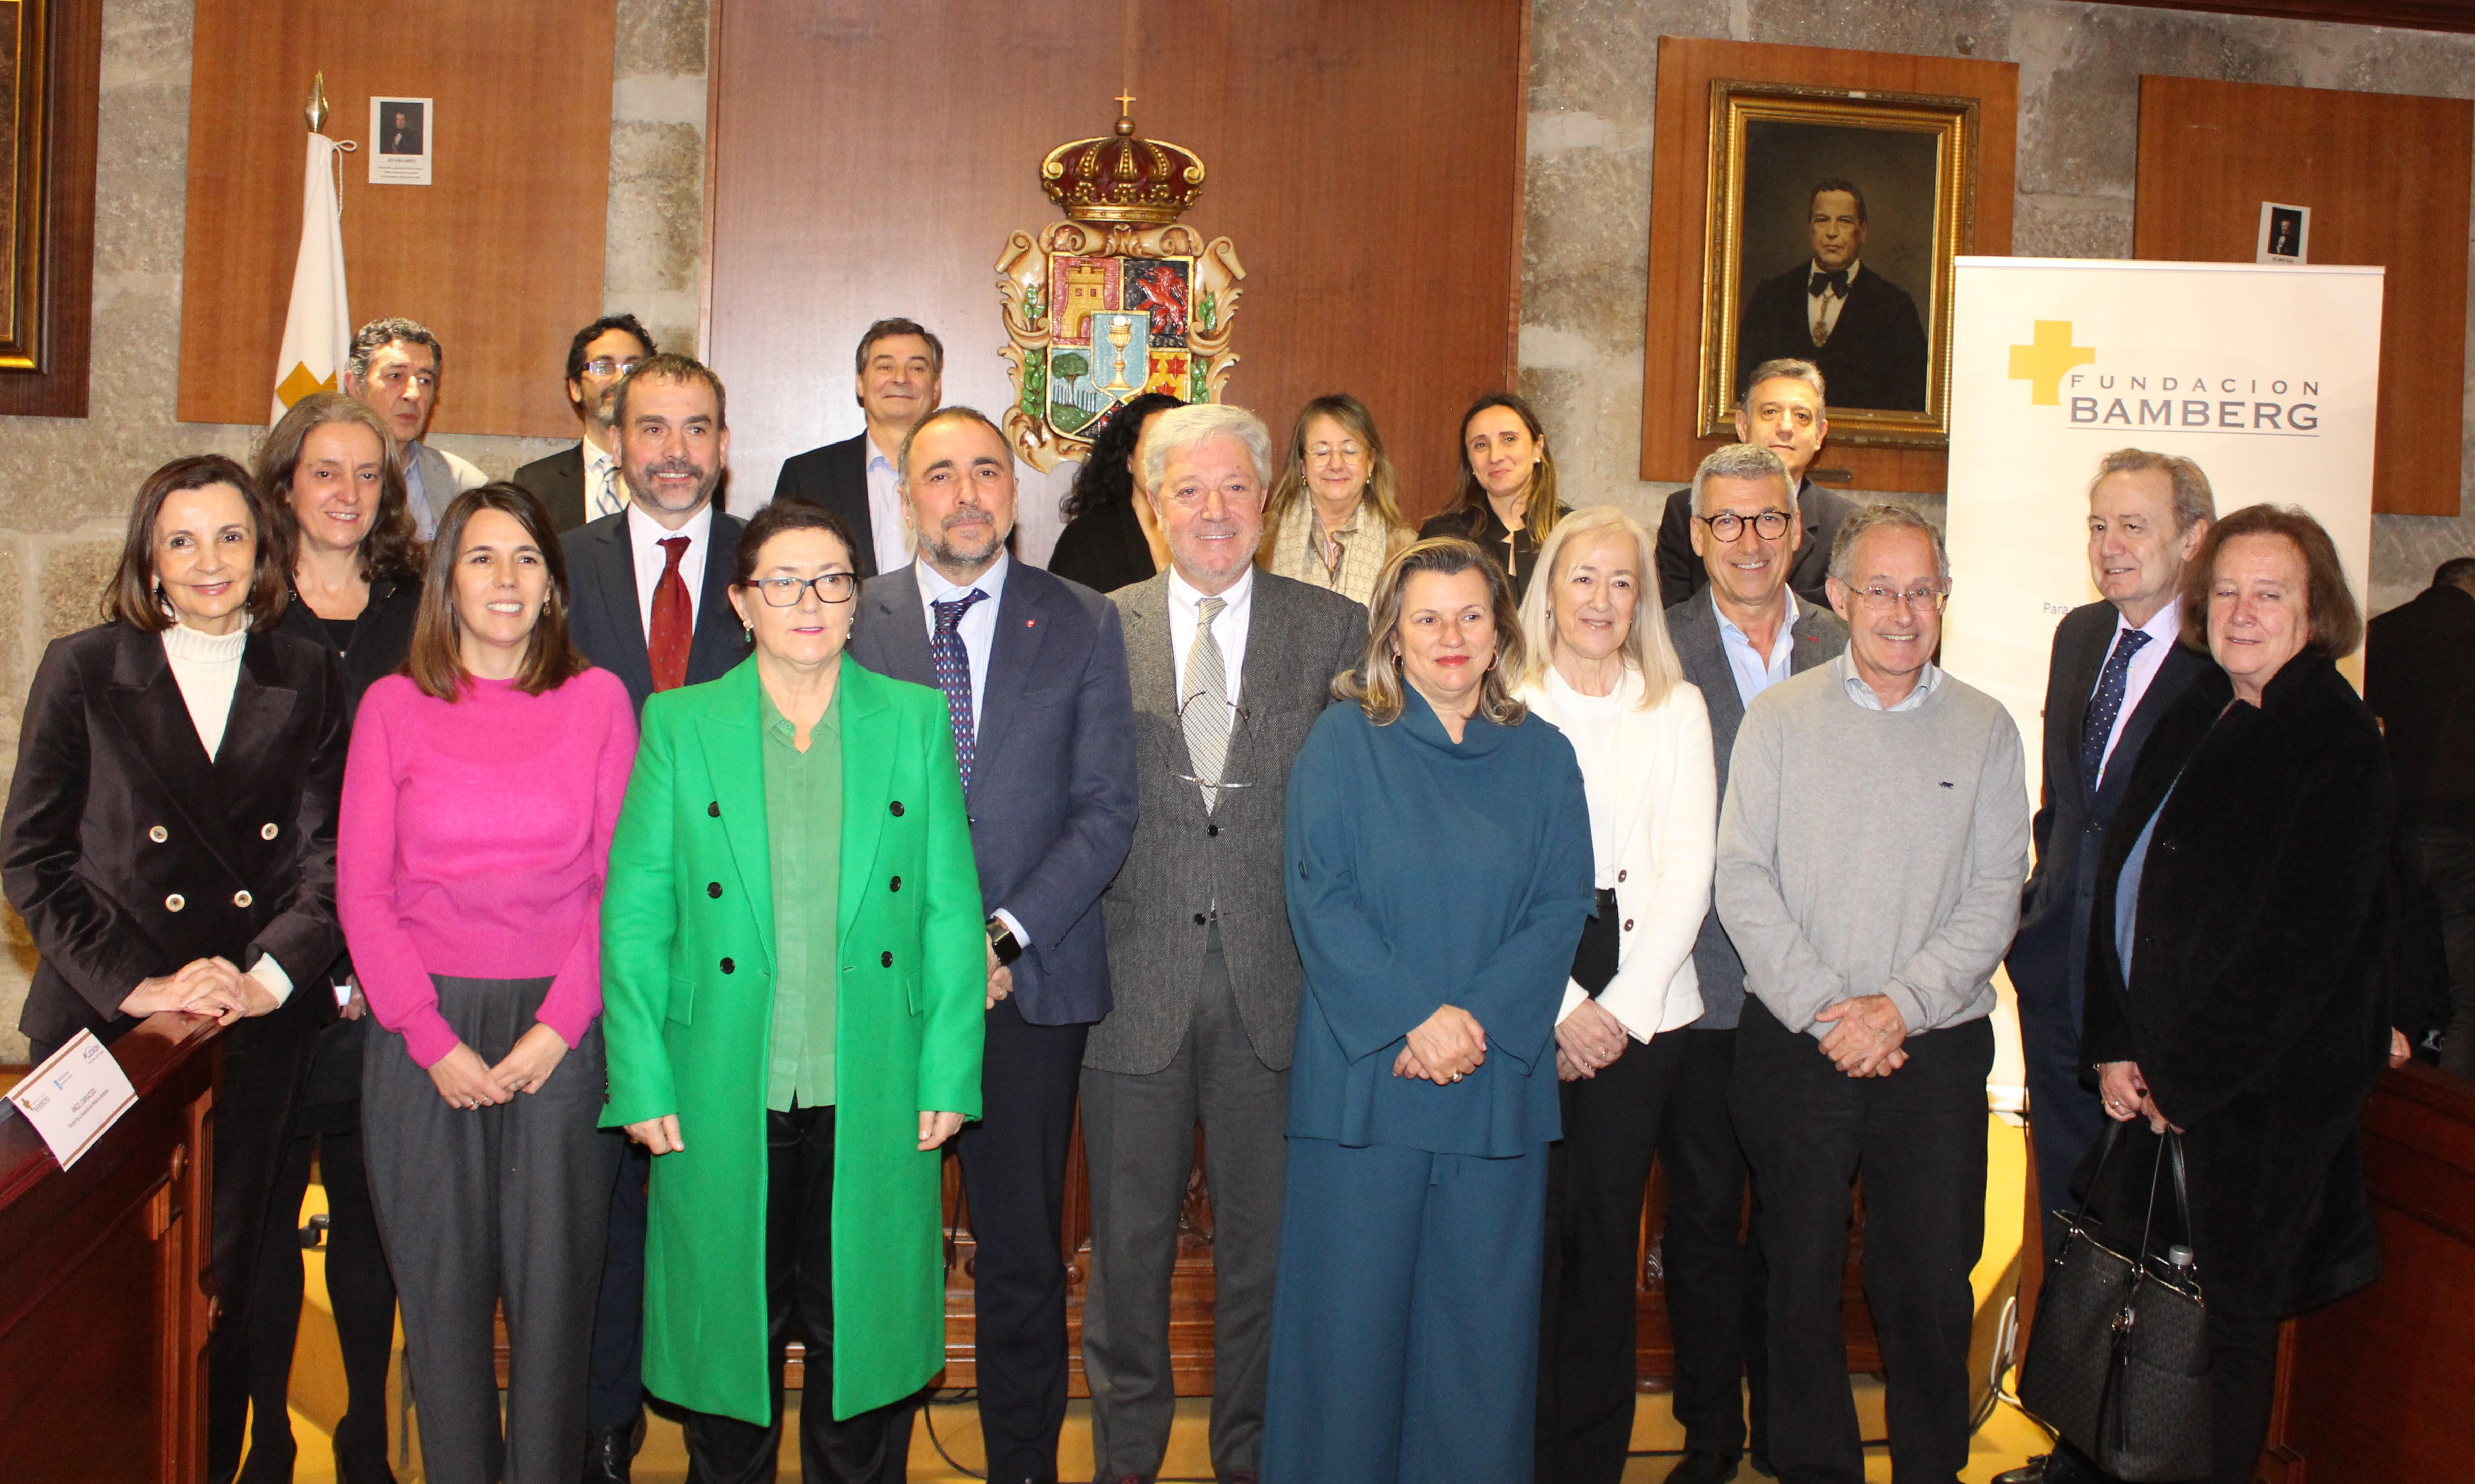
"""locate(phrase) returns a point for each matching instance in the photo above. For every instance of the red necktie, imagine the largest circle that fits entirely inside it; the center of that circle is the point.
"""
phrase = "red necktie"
(673, 620)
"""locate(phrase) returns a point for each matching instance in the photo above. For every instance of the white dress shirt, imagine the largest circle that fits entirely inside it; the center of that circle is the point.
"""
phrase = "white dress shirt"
(888, 531)
(978, 627)
(2164, 629)
(601, 474)
(1862, 694)
(643, 537)
(1229, 630)
(1755, 671)
(1822, 310)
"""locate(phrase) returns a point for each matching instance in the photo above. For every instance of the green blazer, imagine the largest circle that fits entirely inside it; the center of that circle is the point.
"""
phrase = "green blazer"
(687, 983)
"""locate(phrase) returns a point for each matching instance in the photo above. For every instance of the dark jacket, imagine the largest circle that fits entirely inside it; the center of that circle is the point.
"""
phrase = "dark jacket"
(606, 622)
(381, 637)
(1877, 356)
(1681, 575)
(1052, 796)
(836, 478)
(130, 853)
(2048, 959)
(1104, 550)
(2256, 1010)
(558, 483)
(1483, 528)
(2419, 678)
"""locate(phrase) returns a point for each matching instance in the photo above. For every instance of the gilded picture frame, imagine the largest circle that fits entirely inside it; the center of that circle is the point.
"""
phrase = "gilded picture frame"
(24, 66)
(1835, 215)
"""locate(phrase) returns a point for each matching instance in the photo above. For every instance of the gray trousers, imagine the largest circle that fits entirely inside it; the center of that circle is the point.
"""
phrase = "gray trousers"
(502, 1204)
(1138, 1143)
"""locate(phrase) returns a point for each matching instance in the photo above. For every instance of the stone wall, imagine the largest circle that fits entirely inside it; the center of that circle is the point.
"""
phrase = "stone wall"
(1594, 65)
(67, 483)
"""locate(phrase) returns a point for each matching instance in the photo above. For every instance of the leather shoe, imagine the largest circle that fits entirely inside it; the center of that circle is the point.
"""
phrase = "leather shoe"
(1702, 1466)
(2059, 1467)
(608, 1453)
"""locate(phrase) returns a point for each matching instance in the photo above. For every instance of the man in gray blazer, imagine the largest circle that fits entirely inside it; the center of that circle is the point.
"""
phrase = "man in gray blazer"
(1742, 633)
(393, 365)
(1229, 668)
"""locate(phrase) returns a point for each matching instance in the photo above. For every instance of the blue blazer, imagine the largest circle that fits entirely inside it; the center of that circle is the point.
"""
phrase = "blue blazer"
(1052, 796)
(603, 618)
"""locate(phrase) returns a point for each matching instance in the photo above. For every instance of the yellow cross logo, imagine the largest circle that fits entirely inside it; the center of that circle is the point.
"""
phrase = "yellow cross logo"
(2043, 361)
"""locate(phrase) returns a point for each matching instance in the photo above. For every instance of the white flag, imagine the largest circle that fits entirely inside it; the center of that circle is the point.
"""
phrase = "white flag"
(318, 325)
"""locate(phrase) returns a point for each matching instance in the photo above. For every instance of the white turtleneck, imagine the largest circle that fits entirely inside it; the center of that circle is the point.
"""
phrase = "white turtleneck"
(207, 669)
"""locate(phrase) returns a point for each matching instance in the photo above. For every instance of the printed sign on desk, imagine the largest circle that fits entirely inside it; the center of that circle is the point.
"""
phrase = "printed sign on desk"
(73, 1097)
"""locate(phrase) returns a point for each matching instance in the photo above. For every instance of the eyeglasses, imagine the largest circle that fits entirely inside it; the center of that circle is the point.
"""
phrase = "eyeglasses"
(832, 587)
(612, 365)
(1884, 599)
(1328, 449)
(1727, 526)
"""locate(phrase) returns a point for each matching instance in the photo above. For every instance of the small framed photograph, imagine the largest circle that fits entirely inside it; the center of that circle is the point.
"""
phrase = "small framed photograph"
(400, 130)
(2285, 234)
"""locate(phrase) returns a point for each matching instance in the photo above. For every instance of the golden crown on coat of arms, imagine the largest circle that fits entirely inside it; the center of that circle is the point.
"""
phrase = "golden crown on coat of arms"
(1120, 178)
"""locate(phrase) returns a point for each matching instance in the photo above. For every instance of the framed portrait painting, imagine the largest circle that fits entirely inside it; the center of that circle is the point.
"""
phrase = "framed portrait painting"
(1834, 216)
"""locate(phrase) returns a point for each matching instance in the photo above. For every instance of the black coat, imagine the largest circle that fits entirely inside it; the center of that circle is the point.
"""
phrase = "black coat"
(2257, 1011)
(1483, 528)
(558, 483)
(130, 853)
(1104, 550)
(381, 637)
(1876, 354)
(836, 478)
(2419, 677)
(1681, 575)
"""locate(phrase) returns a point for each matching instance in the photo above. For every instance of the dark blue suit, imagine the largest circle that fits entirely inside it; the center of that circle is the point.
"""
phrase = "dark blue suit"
(1052, 802)
(2048, 959)
(606, 621)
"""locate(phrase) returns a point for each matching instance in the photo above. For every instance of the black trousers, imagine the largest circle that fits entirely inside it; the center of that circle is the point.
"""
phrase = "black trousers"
(1918, 1136)
(358, 1284)
(1013, 1188)
(1715, 1285)
(2442, 857)
(614, 1382)
(1589, 1320)
(799, 1295)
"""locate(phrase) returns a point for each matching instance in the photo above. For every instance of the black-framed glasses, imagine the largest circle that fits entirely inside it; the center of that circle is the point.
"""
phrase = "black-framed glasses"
(612, 365)
(832, 587)
(1727, 526)
(1883, 600)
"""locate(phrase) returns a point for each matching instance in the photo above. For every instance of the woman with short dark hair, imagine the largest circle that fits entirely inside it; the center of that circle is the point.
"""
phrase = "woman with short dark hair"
(2235, 962)
(483, 786)
(170, 841)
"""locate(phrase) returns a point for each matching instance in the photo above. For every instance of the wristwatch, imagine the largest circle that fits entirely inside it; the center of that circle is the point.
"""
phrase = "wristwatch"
(1002, 942)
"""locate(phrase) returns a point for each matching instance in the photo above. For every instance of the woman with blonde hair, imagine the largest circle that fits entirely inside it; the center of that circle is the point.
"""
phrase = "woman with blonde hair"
(1602, 670)
(1505, 504)
(1335, 516)
(1438, 870)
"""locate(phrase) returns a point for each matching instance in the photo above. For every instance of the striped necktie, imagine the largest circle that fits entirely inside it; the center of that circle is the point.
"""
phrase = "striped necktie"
(605, 499)
(1206, 712)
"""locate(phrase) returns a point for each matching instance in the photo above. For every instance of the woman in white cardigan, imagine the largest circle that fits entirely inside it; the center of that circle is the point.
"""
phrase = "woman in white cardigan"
(1603, 670)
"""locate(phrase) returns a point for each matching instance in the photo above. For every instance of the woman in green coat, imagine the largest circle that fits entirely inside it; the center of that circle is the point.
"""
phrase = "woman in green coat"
(793, 982)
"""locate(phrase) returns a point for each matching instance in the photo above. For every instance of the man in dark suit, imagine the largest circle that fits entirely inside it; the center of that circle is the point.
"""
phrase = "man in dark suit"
(2420, 677)
(583, 483)
(1034, 671)
(1744, 634)
(1782, 412)
(899, 379)
(2117, 667)
(1860, 328)
(649, 600)
(1231, 666)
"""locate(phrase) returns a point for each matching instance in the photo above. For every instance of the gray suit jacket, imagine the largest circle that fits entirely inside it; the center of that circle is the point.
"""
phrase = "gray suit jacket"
(1693, 627)
(1184, 860)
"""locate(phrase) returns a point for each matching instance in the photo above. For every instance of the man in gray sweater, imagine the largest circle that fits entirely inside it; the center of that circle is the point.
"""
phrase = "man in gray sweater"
(1870, 851)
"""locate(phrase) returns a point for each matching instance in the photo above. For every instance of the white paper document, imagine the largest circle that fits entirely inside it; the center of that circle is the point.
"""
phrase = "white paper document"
(72, 1098)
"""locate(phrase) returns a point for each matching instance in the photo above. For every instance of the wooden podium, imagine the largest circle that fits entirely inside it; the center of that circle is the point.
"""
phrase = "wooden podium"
(104, 1289)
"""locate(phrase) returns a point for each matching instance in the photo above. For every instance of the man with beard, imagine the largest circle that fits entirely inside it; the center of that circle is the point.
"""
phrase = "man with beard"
(581, 483)
(649, 600)
(1034, 671)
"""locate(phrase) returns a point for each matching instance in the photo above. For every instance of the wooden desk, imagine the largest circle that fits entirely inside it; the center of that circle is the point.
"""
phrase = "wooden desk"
(104, 1292)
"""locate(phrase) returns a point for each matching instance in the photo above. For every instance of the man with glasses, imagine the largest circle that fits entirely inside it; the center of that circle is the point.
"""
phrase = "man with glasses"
(583, 483)
(1782, 411)
(1034, 671)
(1229, 668)
(1870, 851)
(899, 379)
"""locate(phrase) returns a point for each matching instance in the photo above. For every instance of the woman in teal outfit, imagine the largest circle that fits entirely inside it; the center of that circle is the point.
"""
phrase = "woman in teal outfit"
(1439, 871)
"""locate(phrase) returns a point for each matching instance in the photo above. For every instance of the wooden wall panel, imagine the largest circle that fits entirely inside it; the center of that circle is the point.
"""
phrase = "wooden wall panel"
(1366, 157)
(57, 387)
(501, 256)
(2386, 178)
(1679, 204)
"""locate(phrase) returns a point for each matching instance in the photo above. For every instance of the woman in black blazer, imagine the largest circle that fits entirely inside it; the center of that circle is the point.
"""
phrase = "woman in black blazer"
(341, 532)
(170, 841)
(1110, 541)
(1505, 504)
(2235, 987)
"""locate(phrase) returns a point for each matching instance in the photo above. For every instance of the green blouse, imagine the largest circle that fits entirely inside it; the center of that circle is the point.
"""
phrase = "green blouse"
(804, 827)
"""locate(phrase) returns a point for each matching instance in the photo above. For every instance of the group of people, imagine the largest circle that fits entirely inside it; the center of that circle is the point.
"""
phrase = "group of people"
(1443, 878)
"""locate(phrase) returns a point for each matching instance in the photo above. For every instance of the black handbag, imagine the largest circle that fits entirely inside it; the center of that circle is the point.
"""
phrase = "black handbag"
(1596, 957)
(2118, 1362)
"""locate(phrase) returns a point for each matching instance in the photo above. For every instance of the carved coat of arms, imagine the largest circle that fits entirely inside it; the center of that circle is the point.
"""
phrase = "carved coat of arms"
(1118, 299)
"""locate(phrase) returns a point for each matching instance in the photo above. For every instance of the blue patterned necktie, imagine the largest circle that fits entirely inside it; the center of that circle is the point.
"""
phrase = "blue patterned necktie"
(953, 666)
(2108, 704)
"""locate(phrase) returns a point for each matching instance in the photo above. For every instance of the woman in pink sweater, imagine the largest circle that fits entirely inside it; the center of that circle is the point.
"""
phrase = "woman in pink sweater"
(479, 798)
